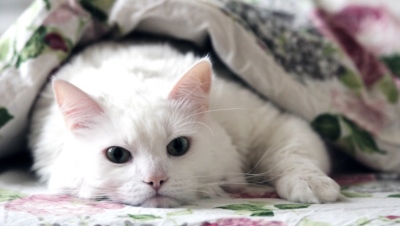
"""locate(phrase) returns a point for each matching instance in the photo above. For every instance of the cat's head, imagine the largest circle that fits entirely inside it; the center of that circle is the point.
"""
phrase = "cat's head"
(156, 152)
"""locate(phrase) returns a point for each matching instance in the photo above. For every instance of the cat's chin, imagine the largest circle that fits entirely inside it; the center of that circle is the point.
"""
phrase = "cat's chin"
(160, 202)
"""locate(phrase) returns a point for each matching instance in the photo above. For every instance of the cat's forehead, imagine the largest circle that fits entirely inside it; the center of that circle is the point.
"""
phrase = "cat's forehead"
(142, 115)
(143, 124)
(155, 125)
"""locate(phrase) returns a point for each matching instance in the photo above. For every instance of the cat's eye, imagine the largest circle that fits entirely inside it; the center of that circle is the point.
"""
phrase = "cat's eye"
(178, 146)
(118, 155)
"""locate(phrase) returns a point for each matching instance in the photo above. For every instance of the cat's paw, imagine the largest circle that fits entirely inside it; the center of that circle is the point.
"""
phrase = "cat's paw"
(257, 190)
(212, 191)
(308, 189)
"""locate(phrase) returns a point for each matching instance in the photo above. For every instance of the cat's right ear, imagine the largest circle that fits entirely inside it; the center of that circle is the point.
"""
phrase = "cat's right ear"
(77, 107)
(194, 86)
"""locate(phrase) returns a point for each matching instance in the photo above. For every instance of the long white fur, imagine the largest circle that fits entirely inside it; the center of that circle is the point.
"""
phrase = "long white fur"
(239, 133)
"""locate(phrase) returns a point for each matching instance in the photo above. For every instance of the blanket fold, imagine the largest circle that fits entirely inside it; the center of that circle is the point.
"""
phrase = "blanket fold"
(328, 63)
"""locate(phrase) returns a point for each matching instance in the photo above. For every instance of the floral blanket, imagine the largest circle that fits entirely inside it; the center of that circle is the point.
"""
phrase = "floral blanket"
(367, 200)
(334, 63)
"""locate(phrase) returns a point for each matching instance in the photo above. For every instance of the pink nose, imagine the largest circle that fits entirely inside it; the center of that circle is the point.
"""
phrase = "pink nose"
(156, 181)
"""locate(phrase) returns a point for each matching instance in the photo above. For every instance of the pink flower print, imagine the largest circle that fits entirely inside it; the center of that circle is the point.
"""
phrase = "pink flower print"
(242, 222)
(65, 13)
(354, 18)
(365, 22)
(369, 115)
(392, 217)
(369, 67)
(56, 42)
(346, 180)
(41, 205)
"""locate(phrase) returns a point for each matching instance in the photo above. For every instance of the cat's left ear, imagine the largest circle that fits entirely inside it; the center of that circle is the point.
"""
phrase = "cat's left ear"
(78, 108)
(194, 86)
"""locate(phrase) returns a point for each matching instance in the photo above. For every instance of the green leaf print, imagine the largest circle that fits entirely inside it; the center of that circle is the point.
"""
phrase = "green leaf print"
(363, 221)
(97, 8)
(307, 222)
(263, 213)
(47, 4)
(180, 212)
(255, 209)
(361, 139)
(347, 144)
(388, 88)
(4, 116)
(394, 196)
(291, 206)
(45, 38)
(328, 50)
(393, 63)
(351, 80)
(356, 194)
(248, 207)
(33, 47)
(327, 125)
(4, 48)
(143, 217)
(8, 195)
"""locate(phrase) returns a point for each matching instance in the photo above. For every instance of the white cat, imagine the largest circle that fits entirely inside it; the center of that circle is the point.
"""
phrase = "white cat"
(147, 125)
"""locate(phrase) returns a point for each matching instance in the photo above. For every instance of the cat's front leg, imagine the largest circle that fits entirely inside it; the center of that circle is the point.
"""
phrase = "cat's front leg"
(296, 163)
(299, 176)
(306, 186)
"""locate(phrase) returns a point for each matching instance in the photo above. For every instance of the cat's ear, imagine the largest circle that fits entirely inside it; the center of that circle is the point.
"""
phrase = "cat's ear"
(78, 108)
(194, 86)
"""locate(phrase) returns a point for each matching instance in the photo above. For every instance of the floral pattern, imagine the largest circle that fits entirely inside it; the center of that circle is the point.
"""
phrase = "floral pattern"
(41, 205)
(4, 116)
(373, 200)
(243, 221)
(354, 139)
(356, 72)
(8, 195)
(43, 39)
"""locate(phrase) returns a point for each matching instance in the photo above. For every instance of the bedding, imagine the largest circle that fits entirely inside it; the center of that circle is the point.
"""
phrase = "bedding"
(334, 69)
(368, 199)
(331, 68)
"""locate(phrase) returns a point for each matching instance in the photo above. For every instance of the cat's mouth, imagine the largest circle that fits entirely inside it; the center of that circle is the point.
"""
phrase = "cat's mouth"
(160, 201)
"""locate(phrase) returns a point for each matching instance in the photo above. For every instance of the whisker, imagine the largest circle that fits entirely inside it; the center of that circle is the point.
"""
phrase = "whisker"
(214, 110)
(265, 153)
(201, 123)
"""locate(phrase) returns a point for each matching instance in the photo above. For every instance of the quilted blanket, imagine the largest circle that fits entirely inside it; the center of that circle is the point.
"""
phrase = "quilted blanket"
(334, 63)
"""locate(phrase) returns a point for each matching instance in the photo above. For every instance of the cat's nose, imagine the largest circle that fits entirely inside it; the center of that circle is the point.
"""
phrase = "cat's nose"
(156, 181)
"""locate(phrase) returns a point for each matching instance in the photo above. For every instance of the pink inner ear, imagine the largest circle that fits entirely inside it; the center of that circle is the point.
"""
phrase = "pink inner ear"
(194, 86)
(77, 107)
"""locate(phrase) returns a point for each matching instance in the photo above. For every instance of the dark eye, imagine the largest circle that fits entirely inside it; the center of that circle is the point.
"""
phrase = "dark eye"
(118, 155)
(178, 146)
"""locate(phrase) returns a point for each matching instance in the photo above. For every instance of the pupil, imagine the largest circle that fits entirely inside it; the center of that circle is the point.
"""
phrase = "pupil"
(178, 144)
(118, 154)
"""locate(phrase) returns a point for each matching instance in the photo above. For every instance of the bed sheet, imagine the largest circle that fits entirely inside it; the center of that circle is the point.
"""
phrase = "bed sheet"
(368, 199)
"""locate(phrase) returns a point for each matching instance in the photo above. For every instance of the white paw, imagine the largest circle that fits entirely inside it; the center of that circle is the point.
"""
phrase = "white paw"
(308, 189)
(257, 190)
(211, 191)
